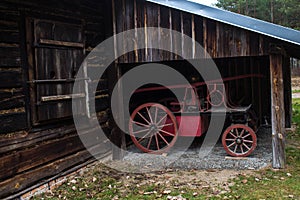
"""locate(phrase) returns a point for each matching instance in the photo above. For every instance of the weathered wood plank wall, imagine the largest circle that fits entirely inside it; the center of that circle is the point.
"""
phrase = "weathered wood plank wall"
(31, 153)
(218, 39)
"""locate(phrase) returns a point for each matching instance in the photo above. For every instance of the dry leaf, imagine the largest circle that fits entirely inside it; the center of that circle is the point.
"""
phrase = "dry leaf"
(148, 193)
(141, 192)
(167, 192)
(244, 181)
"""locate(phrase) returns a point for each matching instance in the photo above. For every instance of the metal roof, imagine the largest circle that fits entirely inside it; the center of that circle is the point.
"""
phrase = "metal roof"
(241, 21)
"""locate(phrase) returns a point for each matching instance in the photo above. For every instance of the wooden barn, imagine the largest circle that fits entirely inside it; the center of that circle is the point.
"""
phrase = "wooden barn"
(43, 44)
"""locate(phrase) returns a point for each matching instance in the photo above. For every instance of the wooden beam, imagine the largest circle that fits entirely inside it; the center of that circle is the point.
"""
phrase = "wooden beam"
(25, 180)
(117, 137)
(61, 43)
(277, 110)
(29, 158)
(62, 97)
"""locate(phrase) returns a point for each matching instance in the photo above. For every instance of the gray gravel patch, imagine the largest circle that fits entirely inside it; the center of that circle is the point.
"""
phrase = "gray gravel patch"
(296, 95)
(216, 159)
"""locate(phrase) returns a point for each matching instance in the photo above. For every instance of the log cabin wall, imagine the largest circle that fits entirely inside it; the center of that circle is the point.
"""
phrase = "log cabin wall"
(45, 40)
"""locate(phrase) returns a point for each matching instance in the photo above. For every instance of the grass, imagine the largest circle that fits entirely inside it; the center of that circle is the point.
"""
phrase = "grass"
(296, 91)
(270, 184)
(283, 184)
(104, 183)
(296, 111)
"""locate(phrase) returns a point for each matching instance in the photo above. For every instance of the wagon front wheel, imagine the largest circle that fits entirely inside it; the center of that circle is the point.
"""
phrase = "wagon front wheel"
(153, 128)
(239, 140)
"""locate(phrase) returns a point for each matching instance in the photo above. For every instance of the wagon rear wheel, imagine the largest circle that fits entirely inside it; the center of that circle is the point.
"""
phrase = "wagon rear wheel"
(153, 128)
(239, 140)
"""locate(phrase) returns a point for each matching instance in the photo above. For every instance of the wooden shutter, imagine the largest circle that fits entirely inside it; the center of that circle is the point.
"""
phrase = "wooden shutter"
(57, 51)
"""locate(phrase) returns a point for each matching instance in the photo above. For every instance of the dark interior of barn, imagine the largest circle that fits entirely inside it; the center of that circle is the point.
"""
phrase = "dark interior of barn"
(241, 91)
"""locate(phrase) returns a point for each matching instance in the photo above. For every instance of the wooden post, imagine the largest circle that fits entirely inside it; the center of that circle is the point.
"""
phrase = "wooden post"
(117, 136)
(277, 110)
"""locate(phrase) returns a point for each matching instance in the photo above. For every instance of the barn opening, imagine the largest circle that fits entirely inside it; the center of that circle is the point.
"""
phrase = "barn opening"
(246, 81)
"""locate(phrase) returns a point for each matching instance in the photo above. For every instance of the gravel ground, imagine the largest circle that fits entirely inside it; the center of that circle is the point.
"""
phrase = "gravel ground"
(135, 161)
(296, 95)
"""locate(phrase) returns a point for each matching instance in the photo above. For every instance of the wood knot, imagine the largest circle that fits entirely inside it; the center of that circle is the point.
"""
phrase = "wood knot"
(280, 136)
(277, 108)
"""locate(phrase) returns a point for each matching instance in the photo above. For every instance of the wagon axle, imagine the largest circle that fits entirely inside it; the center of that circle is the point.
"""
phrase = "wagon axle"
(239, 141)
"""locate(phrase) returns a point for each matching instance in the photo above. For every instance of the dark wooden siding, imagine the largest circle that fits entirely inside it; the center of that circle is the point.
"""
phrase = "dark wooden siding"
(12, 98)
(218, 39)
(32, 153)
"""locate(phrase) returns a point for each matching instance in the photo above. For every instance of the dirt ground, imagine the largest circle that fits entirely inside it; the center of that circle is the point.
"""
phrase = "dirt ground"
(213, 181)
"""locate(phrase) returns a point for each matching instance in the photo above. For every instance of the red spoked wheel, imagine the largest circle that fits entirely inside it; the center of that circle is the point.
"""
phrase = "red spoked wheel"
(153, 128)
(239, 140)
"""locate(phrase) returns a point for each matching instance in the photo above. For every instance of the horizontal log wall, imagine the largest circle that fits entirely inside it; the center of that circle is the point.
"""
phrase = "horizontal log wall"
(29, 154)
(12, 97)
(218, 39)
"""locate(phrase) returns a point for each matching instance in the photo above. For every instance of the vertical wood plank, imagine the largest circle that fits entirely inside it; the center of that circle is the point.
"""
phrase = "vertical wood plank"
(287, 92)
(220, 43)
(176, 40)
(118, 21)
(277, 110)
(198, 23)
(139, 24)
(193, 37)
(129, 24)
(166, 37)
(135, 20)
(171, 34)
(29, 41)
(117, 136)
(186, 26)
(146, 34)
(211, 38)
(154, 22)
